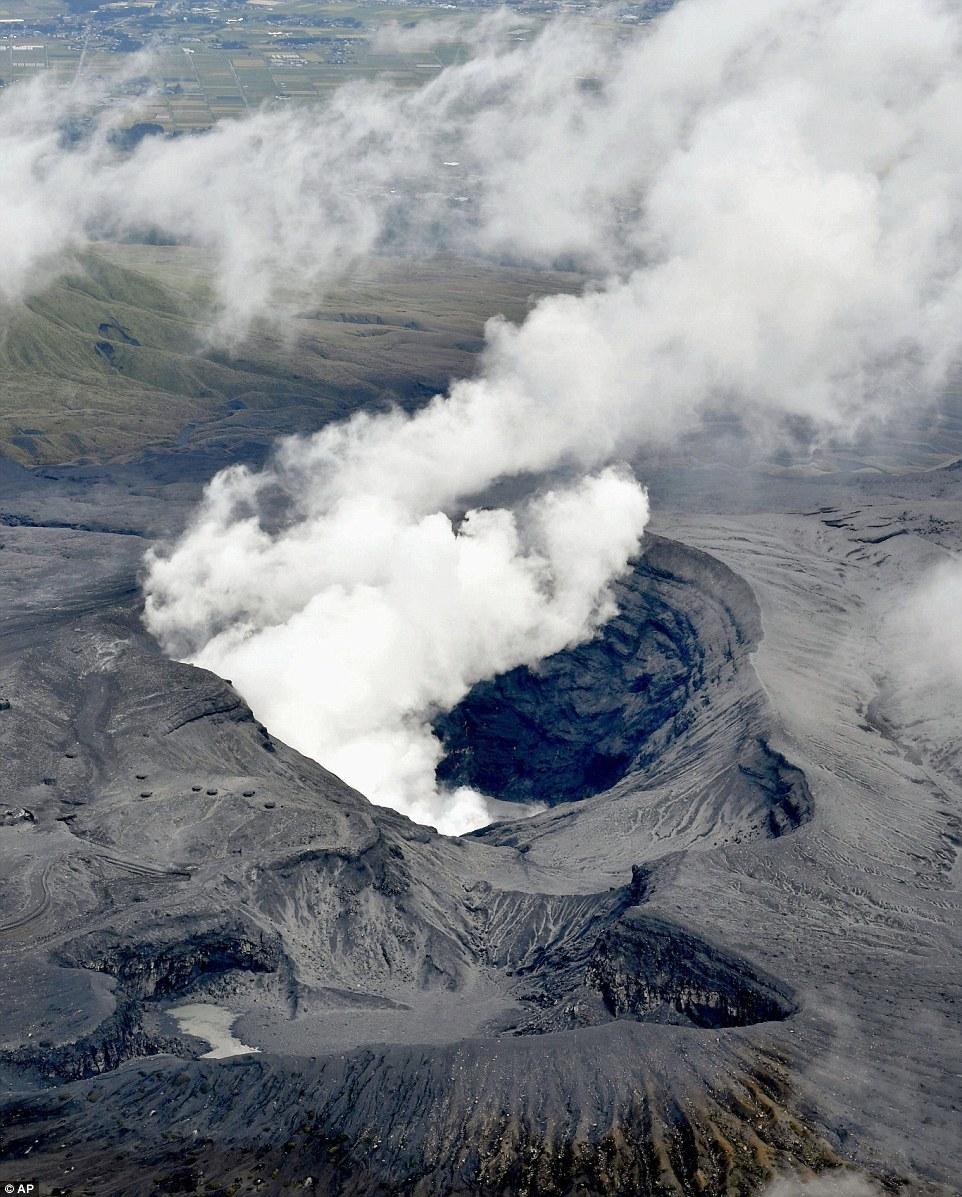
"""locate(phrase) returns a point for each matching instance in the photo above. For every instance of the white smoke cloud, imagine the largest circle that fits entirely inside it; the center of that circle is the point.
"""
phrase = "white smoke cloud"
(770, 192)
(795, 167)
(369, 613)
(923, 636)
(465, 28)
(837, 1183)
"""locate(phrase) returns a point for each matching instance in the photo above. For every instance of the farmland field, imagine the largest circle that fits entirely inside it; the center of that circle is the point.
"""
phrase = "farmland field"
(211, 61)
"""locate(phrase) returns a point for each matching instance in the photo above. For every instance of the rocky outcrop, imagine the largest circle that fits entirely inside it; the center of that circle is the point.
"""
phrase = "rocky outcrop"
(15, 816)
(650, 969)
(119, 1038)
(166, 967)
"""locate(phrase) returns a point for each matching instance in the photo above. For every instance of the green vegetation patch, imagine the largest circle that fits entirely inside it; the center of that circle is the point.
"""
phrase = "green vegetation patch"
(113, 358)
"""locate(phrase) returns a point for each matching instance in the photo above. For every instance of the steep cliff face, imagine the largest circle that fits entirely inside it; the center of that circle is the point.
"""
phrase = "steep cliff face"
(650, 969)
(587, 717)
(119, 1038)
(172, 961)
(667, 695)
(584, 960)
(599, 1120)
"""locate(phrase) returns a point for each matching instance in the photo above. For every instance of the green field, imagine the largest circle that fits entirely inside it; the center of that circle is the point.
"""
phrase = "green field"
(217, 60)
(111, 359)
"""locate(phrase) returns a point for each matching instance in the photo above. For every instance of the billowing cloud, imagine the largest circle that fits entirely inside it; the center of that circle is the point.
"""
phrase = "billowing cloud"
(923, 635)
(794, 167)
(837, 1183)
(371, 611)
(768, 197)
(468, 29)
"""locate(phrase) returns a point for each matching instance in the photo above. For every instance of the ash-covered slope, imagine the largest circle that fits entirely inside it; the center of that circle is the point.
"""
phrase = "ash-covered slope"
(638, 993)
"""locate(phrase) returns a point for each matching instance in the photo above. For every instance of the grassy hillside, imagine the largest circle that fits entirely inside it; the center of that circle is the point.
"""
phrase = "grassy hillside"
(111, 358)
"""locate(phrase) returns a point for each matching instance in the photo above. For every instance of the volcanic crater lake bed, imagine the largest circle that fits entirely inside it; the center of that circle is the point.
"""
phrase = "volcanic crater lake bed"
(215, 1024)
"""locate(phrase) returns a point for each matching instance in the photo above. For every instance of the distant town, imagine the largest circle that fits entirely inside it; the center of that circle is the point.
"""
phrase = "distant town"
(218, 60)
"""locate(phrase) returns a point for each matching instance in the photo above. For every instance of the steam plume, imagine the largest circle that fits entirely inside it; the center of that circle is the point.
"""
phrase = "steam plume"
(924, 636)
(771, 194)
(785, 179)
(837, 1183)
(370, 612)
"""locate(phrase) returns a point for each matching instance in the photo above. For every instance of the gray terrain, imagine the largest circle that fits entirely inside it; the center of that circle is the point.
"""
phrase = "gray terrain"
(728, 950)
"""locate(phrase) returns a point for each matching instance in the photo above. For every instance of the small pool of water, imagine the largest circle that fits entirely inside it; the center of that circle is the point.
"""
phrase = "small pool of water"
(213, 1023)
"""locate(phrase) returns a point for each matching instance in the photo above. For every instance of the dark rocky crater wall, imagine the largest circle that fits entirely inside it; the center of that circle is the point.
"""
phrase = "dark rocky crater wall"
(661, 686)
(583, 719)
